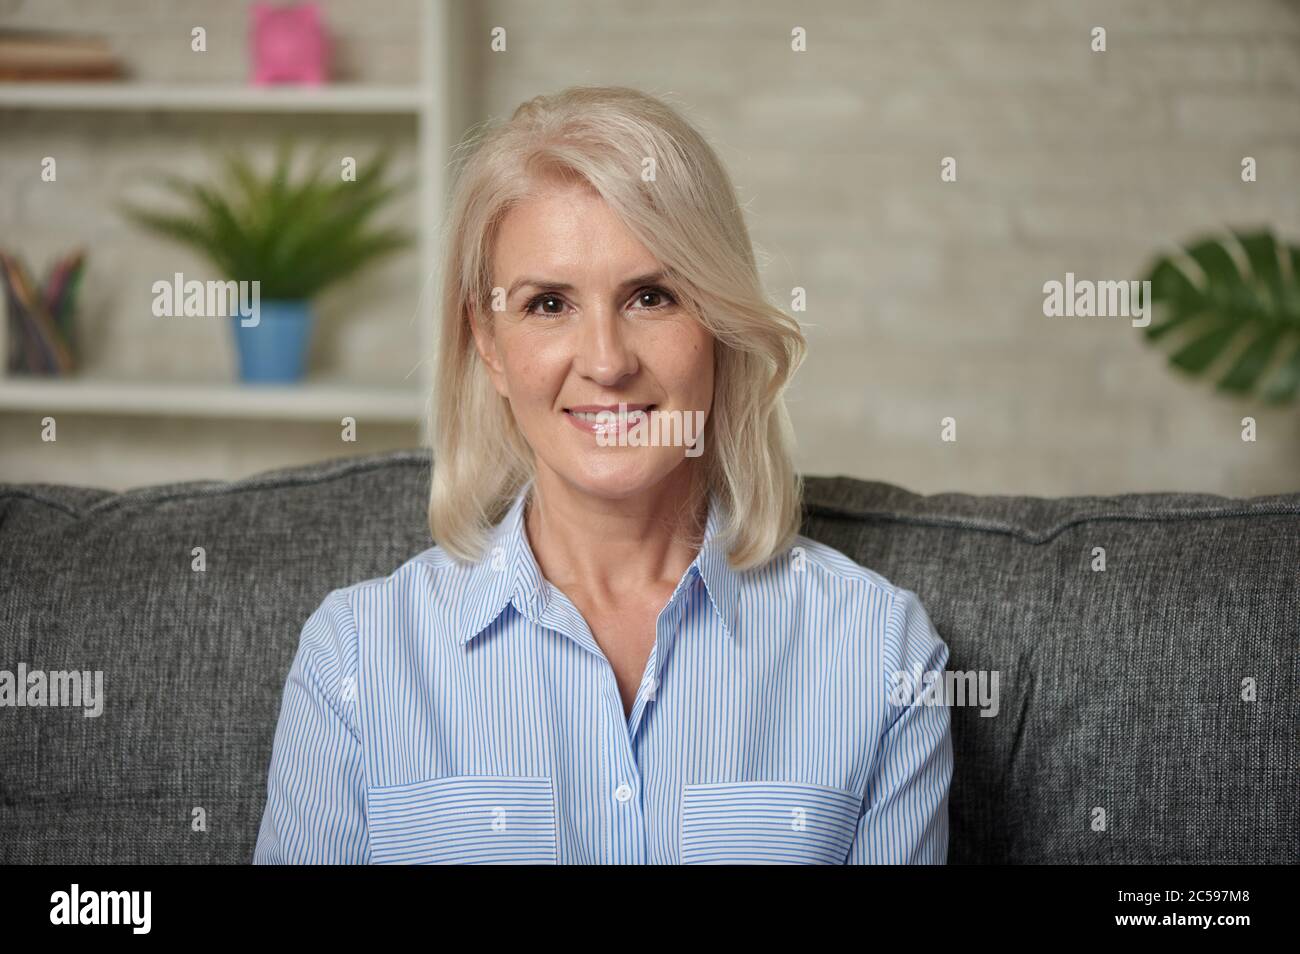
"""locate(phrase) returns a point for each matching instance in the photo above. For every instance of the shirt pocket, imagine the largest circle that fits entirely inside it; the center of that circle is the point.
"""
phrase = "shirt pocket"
(464, 819)
(767, 823)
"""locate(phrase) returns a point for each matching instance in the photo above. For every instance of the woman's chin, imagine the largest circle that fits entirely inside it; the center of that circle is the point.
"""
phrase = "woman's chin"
(620, 479)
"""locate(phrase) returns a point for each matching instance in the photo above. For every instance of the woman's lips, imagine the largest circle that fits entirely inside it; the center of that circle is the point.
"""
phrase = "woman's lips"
(597, 419)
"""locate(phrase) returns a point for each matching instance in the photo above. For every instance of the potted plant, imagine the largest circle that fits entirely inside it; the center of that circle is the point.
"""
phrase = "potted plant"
(1233, 303)
(294, 235)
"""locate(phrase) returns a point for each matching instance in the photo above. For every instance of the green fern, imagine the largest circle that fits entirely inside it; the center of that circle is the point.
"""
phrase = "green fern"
(1238, 294)
(296, 235)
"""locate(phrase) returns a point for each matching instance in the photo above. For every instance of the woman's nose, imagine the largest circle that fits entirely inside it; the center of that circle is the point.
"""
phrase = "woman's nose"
(604, 352)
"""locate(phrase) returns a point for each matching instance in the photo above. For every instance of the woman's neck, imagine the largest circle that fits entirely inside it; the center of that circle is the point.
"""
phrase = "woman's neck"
(610, 547)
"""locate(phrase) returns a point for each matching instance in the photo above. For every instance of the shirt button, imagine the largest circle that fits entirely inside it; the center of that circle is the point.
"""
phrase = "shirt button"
(623, 792)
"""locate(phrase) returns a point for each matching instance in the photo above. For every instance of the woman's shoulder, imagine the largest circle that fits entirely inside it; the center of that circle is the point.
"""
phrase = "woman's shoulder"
(415, 585)
(855, 591)
(830, 565)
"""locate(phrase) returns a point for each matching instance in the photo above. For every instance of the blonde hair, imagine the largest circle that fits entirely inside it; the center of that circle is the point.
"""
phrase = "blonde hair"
(689, 218)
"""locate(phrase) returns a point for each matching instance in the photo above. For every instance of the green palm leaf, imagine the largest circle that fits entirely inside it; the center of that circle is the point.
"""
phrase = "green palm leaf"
(1238, 294)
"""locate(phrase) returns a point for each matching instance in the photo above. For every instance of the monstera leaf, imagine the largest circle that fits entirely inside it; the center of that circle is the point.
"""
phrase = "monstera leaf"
(1236, 295)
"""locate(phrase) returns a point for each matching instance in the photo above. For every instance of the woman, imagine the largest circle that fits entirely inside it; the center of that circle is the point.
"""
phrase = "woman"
(621, 650)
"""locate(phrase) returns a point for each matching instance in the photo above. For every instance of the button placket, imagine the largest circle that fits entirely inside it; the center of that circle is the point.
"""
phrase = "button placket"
(626, 830)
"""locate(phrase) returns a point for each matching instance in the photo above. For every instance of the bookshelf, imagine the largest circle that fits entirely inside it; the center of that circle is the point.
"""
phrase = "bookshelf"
(427, 104)
(313, 400)
(345, 99)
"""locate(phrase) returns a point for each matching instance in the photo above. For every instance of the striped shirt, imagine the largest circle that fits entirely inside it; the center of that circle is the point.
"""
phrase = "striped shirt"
(464, 713)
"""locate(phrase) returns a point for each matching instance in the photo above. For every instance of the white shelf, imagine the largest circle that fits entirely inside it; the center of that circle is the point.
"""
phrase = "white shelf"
(311, 401)
(220, 98)
(431, 103)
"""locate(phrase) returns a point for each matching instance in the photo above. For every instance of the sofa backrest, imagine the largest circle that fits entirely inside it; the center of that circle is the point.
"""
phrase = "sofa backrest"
(1119, 689)
(1147, 710)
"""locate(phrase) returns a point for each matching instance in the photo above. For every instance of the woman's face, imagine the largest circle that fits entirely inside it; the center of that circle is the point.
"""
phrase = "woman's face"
(586, 322)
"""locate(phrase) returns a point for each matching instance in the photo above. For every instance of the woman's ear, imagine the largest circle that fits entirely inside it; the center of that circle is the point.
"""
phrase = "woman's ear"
(486, 345)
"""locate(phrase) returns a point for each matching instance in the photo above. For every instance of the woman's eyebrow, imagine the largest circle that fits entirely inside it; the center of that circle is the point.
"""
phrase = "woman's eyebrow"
(646, 279)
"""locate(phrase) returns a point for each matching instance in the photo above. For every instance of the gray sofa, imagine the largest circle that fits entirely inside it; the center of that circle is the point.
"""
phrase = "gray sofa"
(1120, 689)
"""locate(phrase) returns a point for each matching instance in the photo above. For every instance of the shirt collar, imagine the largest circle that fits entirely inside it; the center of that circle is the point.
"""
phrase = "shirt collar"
(508, 573)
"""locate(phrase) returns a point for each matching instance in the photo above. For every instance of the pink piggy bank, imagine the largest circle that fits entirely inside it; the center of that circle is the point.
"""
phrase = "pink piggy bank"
(289, 44)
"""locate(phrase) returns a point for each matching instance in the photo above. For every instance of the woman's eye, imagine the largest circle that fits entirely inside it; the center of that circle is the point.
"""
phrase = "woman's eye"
(547, 302)
(551, 305)
(659, 298)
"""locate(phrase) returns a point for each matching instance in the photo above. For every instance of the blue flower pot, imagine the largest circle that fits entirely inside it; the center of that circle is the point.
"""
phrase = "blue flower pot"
(274, 350)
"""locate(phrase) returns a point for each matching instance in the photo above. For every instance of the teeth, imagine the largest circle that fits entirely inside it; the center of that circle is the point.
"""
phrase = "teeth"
(597, 417)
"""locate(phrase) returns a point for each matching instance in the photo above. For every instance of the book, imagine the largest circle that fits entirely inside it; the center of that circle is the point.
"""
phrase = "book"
(30, 56)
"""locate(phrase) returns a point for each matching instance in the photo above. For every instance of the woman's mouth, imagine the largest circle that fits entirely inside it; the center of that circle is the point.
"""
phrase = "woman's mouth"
(596, 419)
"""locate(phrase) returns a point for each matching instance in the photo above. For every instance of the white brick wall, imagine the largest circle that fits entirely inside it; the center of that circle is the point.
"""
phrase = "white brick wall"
(925, 298)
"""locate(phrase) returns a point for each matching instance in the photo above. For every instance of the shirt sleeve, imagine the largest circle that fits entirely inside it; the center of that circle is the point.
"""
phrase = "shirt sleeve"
(904, 817)
(316, 790)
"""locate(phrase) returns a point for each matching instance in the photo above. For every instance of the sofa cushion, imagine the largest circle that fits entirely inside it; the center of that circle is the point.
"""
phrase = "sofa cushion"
(1119, 689)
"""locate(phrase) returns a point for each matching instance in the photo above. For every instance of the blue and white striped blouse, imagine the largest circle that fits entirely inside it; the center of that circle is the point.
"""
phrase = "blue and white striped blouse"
(454, 713)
